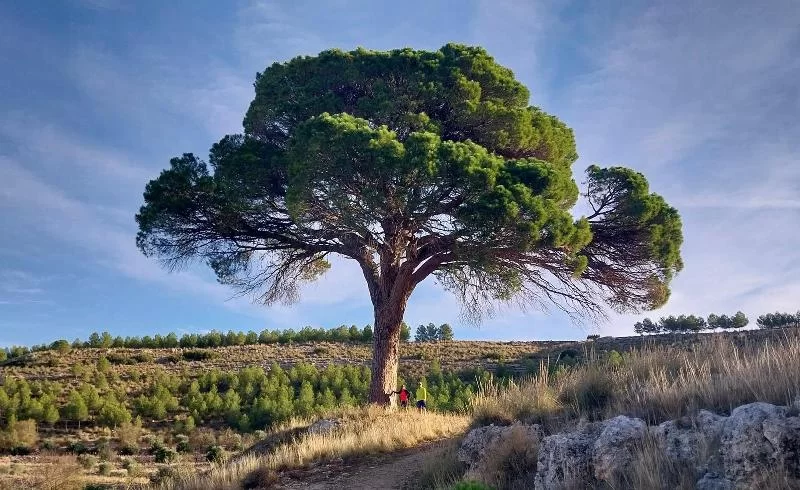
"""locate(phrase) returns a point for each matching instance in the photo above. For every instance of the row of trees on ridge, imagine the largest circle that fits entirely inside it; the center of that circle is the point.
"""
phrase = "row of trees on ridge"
(692, 323)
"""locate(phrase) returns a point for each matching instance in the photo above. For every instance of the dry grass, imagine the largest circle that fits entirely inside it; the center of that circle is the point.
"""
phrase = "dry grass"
(442, 471)
(651, 468)
(51, 472)
(511, 464)
(655, 383)
(534, 400)
(364, 431)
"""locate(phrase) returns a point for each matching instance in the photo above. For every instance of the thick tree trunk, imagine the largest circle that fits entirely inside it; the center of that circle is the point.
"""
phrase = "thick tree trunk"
(385, 355)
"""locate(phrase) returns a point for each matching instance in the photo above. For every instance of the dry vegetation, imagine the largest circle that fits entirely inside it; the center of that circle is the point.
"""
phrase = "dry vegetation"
(656, 378)
(363, 431)
(415, 357)
(655, 383)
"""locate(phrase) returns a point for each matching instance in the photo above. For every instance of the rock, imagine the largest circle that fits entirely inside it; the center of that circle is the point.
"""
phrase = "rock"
(757, 437)
(686, 440)
(713, 481)
(783, 435)
(323, 426)
(473, 447)
(565, 459)
(481, 443)
(615, 447)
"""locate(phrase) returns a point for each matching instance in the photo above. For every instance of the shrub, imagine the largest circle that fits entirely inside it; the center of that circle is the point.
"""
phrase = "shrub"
(105, 468)
(511, 463)
(143, 357)
(588, 391)
(261, 477)
(321, 351)
(200, 355)
(202, 439)
(115, 358)
(103, 364)
(77, 447)
(230, 440)
(88, 461)
(163, 474)
(182, 445)
(163, 454)
(20, 436)
(132, 467)
(56, 472)
(215, 454)
(442, 470)
(614, 359)
(128, 435)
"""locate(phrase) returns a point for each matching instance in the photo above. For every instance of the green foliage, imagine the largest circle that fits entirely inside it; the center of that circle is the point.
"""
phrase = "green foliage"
(103, 364)
(162, 453)
(646, 326)
(681, 323)
(778, 320)
(614, 359)
(216, 454)
(112, 413)
(132, 467)
(432, 333)
(739, 320)
(200, 355)
(419, 163)
(405, 332)
(104, 468)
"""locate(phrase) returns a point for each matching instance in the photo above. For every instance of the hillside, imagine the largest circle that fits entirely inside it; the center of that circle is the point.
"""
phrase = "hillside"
(120, 416)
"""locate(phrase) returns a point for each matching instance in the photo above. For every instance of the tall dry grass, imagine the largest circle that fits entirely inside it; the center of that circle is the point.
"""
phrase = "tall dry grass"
(369, 430)
(655, 383)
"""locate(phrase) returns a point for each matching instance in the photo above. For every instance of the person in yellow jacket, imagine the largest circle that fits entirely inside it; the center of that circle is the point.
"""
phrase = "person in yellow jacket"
(421, 395)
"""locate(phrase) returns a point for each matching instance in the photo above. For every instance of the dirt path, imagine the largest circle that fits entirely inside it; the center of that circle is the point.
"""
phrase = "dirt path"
(394, 471)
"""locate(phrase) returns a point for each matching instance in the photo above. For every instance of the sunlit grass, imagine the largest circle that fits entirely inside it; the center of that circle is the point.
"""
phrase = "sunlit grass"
(370, 430)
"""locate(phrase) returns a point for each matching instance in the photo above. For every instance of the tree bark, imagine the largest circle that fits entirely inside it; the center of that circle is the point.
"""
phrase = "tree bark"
(385, 352)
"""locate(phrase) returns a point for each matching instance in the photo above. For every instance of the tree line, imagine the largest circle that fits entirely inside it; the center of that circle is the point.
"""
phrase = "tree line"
(214, 338)
(692, 323)
(432, 333)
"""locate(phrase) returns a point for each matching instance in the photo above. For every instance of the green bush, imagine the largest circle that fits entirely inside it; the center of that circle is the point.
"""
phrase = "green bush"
(164, 454)
(614, 359)
(115, 358)
(589, 392)
(182, 445)
(88, 461)
(105, 468)
(215, 454)
(200, 355)
(143, 357)
(132, 467)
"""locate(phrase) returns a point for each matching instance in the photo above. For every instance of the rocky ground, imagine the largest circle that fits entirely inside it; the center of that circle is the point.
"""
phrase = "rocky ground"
(757, 446)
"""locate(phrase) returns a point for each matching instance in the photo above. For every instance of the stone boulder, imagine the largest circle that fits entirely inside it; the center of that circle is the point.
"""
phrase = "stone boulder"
(565, 459)
(759, 438)
(615, 447)
(480, 444)
(323, 426)
(689, 440)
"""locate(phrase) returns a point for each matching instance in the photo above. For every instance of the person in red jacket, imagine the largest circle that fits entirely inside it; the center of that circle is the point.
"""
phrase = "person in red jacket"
(405, 395)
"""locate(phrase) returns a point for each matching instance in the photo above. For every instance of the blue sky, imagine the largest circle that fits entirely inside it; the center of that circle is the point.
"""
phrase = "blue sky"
(97, 95)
